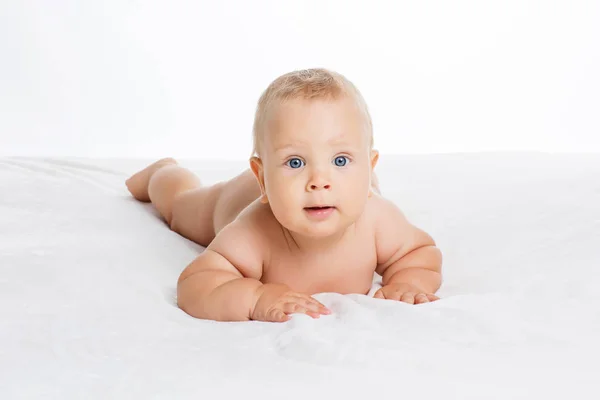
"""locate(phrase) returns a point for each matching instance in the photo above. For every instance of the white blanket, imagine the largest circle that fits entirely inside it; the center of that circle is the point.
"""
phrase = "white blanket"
(88, 278)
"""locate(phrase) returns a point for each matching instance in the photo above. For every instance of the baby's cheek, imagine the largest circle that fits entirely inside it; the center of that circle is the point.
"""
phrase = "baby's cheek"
(281, 204)
(358, 199)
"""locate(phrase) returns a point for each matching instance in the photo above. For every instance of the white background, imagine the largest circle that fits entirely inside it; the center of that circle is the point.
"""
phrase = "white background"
(181, 78)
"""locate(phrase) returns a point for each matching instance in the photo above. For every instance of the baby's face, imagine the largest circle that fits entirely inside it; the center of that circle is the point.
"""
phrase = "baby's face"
(316, 165)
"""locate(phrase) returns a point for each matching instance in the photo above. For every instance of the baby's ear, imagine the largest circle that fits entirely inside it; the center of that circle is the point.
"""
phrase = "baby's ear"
(257, 169)
(374, 180)
(374, 158)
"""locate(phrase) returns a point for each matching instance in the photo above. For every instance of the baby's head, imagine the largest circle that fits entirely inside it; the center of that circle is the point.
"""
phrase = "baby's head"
(313, 147)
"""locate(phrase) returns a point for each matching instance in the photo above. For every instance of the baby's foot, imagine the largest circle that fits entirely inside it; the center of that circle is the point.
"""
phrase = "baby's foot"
(138, 182)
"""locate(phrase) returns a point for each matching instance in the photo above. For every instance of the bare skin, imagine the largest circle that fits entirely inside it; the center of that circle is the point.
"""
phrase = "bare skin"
(268, 248)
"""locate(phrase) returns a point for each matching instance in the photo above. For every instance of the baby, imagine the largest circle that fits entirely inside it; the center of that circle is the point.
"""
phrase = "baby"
(306, 218)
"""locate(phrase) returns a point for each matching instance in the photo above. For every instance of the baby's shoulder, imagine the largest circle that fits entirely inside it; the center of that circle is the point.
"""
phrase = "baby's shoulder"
(244, 241)
(380, 211)
(389, 224)
(259, 219)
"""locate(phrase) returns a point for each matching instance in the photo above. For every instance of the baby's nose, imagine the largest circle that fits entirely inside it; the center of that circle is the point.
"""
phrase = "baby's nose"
(318, 182)
(323, 186)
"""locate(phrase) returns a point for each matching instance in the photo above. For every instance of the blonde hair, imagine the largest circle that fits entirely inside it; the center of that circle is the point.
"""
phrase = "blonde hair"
(308, 84)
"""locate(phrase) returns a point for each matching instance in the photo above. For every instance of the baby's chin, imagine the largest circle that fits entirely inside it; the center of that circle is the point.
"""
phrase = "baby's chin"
(323, 230)
(313, 233)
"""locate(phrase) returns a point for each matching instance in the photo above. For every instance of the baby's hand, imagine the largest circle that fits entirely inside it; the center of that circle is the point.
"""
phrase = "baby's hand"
(405, 292)
(276, 301)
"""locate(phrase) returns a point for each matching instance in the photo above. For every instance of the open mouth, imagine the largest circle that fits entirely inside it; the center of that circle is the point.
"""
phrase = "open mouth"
(319, 212)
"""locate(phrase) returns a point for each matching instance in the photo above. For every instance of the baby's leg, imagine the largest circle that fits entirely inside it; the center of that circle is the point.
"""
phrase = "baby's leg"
(186, 206)
(194, 211)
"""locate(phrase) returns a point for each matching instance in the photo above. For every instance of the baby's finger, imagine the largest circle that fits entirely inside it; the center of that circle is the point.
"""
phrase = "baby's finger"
(393, 295)
(313, 304)
(295, 307)
(432, 297)
(379, 294)
(421, 298)
(408, 297)
(277, 315)
(321, 306)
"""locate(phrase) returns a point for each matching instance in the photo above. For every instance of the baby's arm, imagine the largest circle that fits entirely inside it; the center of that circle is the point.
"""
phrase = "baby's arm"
(407, 257)
(221, 283)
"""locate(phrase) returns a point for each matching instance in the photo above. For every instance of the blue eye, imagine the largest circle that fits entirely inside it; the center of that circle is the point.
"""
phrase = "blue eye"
(294, 163)
(340, 161)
